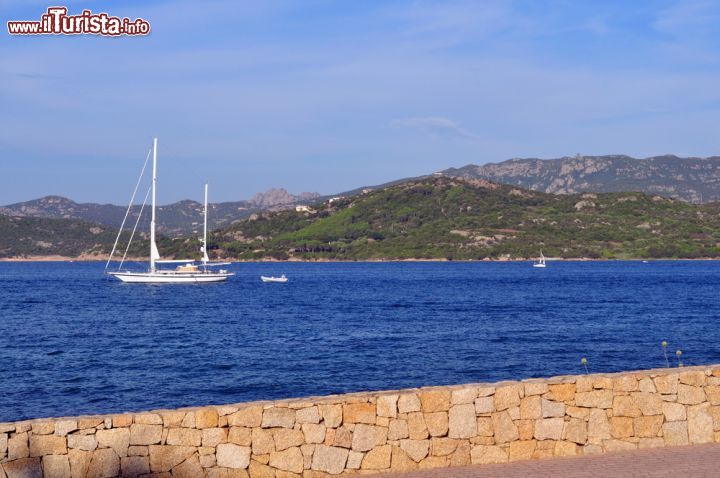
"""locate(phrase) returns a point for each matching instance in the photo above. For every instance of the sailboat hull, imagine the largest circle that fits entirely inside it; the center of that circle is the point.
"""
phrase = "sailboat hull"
(164, 278)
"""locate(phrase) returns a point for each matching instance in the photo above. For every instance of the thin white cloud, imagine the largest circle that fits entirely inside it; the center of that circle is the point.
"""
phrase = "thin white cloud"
(434, 125)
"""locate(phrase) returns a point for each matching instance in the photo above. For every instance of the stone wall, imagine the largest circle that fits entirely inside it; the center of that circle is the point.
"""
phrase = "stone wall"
(371, 432)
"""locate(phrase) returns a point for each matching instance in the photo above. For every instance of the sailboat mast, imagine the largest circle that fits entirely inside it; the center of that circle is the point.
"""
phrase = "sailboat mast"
(153, 246)
(205, 255)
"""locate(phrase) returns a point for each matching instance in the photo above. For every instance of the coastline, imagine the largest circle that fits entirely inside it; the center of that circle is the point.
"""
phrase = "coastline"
(57, 258)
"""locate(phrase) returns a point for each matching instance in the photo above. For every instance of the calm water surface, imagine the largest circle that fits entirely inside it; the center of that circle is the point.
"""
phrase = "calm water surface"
(73, 342)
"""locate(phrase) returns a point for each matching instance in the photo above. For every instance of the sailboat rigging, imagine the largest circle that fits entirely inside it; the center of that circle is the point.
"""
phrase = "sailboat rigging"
(187, 271)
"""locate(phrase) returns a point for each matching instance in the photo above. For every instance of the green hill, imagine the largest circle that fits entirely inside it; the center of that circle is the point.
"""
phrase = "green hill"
(452, 218)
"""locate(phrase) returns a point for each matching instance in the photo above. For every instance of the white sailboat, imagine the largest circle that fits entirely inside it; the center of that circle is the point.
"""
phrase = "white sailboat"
(187, 271)
(282, 278)
(540, 262)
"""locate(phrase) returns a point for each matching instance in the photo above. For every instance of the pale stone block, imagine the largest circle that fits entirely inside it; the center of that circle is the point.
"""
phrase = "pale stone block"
(463, 396)
(650, 404)
(647, 385)
(145, 434)
(308, 415)
(169, 419)
(377, 458)
(521, 450)
(648, 426)
(666, 384)
(343, 436)
(278, 417)
(437, 423)
(359, 413)
(504, 428)
(507, 397)
(535, 388)
(41, 445)
(690, 395)
(675, 433)
(417, 430)
(484, 405)
(249, 417)
(530, 407)
(116, 438)
(22, 468)
(433, 462)
(229, 455)
(526, 429)
(82, 442)
(562, 392)
(565, 448)
(700, 423)
(286, 438)
(354, 460)
(400, 461)
(549, 429)
(408, 403)
(18, 446)
(332, 415)
(262, 441)
(462, 421)
(484, 392)
(190, 468)
(240, 436)
(442, 446)
(147, 419)
(79, 462)
(387, 406)
(290, 459)
(577, 412)
(575, 431)
(434, 401)
(713, 394)
(552, 409)
(55, 466)
(398, 429)
(624, 406)
(583, 384)
(138, 450)
(212, 437)
(134, 466)
(313, 433)
(625, 383)
(461, 455)
(604, 383)
(621, 427)
(367, 437)
(43, 428)
(484, 427)
(416, 449)
(329, 459)
(694, 378)
(482, 454)
(207, 418)
(596, 399)
(673, 411)
(104, 462)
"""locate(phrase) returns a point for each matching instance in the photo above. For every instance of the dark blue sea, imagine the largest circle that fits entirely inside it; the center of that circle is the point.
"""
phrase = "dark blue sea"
(75, 342)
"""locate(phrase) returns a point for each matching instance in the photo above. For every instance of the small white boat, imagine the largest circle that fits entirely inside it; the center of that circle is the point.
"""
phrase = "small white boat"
(282, 278)
(540, 262)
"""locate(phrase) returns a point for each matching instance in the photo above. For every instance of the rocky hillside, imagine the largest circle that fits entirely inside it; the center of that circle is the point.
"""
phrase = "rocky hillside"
(180, 218)
(441, 217)
(33, 236)
(695, 180)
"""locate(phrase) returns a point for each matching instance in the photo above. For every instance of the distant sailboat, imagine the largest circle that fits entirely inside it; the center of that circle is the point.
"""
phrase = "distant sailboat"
(540, 262)
(186, 272)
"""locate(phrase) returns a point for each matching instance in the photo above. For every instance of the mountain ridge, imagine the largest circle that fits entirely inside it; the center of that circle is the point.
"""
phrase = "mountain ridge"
(690, 179)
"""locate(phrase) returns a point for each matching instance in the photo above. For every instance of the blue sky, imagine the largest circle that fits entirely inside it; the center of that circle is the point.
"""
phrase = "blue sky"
(327, 96)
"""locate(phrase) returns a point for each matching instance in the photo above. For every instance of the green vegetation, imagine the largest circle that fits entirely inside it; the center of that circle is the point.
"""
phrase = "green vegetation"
(455, 219)
(431, 218)
(33, 236)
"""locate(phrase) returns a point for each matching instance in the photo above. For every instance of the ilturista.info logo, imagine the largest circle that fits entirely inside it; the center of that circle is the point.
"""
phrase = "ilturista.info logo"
(56, 21)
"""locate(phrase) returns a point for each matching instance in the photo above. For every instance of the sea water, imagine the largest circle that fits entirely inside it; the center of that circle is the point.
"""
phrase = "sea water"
(73, 341)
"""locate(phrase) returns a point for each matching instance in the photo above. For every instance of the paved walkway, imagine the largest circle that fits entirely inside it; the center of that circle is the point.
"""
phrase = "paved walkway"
(697, 461)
